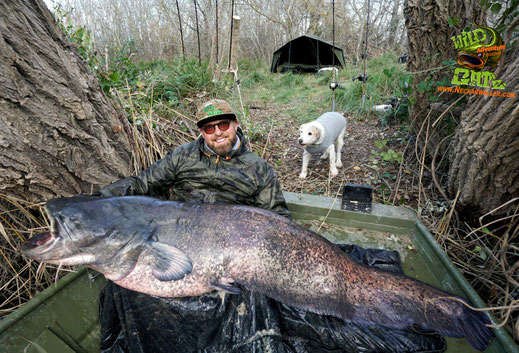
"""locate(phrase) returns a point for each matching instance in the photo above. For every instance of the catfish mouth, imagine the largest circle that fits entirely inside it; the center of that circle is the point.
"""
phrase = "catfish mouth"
(43, 242)
(40, 243)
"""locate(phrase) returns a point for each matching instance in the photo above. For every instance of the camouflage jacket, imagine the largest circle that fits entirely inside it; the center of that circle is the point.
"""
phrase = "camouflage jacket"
(192, 172)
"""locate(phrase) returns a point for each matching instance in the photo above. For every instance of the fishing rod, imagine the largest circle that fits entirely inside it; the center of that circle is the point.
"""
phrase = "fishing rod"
(364, 77)
(230, 44)
(365, 54)
(216, 33)
(334, 84)
(229, 68)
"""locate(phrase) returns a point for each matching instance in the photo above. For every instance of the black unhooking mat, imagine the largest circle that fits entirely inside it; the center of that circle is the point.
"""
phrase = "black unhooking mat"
(217, 322)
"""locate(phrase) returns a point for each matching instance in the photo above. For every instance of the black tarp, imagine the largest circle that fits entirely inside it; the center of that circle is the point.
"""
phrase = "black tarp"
(308, 54)
(133, 322)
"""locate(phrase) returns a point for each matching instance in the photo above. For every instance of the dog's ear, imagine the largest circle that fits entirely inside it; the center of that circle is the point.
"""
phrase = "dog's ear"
(317, 132)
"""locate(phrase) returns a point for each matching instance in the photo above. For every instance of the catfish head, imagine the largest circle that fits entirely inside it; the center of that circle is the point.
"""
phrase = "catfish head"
(109, 234)
(83, 231)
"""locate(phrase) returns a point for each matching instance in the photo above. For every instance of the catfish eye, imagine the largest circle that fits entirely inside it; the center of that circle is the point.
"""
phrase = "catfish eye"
(74, 219)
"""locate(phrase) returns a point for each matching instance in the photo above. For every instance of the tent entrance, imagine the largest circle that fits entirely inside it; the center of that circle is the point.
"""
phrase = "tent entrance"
(306, 54)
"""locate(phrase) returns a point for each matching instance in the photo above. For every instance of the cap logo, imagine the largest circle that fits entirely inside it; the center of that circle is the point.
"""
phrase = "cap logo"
(211, 110)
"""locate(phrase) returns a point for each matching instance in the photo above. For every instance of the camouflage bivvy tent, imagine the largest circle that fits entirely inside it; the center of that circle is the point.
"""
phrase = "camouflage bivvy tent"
(306, 53)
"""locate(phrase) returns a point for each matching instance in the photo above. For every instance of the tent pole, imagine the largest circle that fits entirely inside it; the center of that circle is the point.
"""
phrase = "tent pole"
(289, 54)
(318, 61)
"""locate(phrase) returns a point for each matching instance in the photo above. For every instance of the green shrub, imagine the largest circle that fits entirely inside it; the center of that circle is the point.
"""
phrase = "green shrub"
(171, 81)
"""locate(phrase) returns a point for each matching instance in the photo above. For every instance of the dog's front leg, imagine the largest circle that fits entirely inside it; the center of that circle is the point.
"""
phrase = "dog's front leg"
(331, 154)
(338, 148)
(306, 159)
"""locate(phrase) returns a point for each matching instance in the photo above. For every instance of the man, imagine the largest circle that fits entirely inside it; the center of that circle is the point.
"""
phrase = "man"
(217, 167)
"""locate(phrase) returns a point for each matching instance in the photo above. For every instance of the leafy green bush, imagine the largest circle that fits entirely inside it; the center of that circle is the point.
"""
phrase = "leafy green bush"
(79, 36)
(386, 79)
(121, 64)
(171, 82)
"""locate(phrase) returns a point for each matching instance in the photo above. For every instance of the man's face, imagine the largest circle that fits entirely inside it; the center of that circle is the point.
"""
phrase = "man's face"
(221, 142)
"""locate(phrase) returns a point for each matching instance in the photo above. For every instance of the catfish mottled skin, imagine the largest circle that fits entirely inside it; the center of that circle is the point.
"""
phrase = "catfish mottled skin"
(173, 249)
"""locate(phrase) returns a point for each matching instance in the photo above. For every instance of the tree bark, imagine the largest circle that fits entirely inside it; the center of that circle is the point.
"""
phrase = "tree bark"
(485, 160)
(484, 163)
(59, 134)
(393, 24)
(430, 43)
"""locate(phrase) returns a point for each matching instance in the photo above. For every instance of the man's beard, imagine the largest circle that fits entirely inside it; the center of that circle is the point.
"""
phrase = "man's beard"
(223, 150)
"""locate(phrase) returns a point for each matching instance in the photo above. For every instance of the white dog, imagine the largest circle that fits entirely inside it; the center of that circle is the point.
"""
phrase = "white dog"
(319, 136)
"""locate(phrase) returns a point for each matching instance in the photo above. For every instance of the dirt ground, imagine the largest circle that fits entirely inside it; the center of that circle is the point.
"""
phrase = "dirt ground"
(274, 135)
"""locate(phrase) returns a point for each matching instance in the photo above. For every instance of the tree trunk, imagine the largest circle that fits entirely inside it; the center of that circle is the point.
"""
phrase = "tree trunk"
(59, 134)
(393, 24)
(235, 47)
(430, 43)
(485, 163)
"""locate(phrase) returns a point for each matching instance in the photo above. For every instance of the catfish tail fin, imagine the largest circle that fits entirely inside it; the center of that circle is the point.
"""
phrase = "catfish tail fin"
(437, 311)
(470, 324)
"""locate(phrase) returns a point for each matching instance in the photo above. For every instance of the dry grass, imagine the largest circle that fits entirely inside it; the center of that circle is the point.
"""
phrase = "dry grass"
(487, 258)
(485, 251)
(155, 128)
(19, 277)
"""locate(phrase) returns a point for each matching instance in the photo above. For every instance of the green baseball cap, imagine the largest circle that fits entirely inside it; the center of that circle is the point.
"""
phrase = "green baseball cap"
(215, 109)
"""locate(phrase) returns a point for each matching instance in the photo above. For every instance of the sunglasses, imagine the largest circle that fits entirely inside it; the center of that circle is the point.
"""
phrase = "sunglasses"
(210, 128)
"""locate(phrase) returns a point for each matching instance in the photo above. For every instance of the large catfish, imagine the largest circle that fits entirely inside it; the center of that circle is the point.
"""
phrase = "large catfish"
(172, 249)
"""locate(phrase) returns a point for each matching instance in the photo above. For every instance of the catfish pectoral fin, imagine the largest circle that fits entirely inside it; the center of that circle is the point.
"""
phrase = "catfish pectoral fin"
(168, 263)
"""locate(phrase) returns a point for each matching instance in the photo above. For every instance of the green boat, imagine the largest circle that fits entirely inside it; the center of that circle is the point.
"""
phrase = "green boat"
(64, 317)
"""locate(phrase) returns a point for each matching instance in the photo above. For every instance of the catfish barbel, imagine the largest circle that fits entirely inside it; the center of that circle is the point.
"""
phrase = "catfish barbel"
(172, 249)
